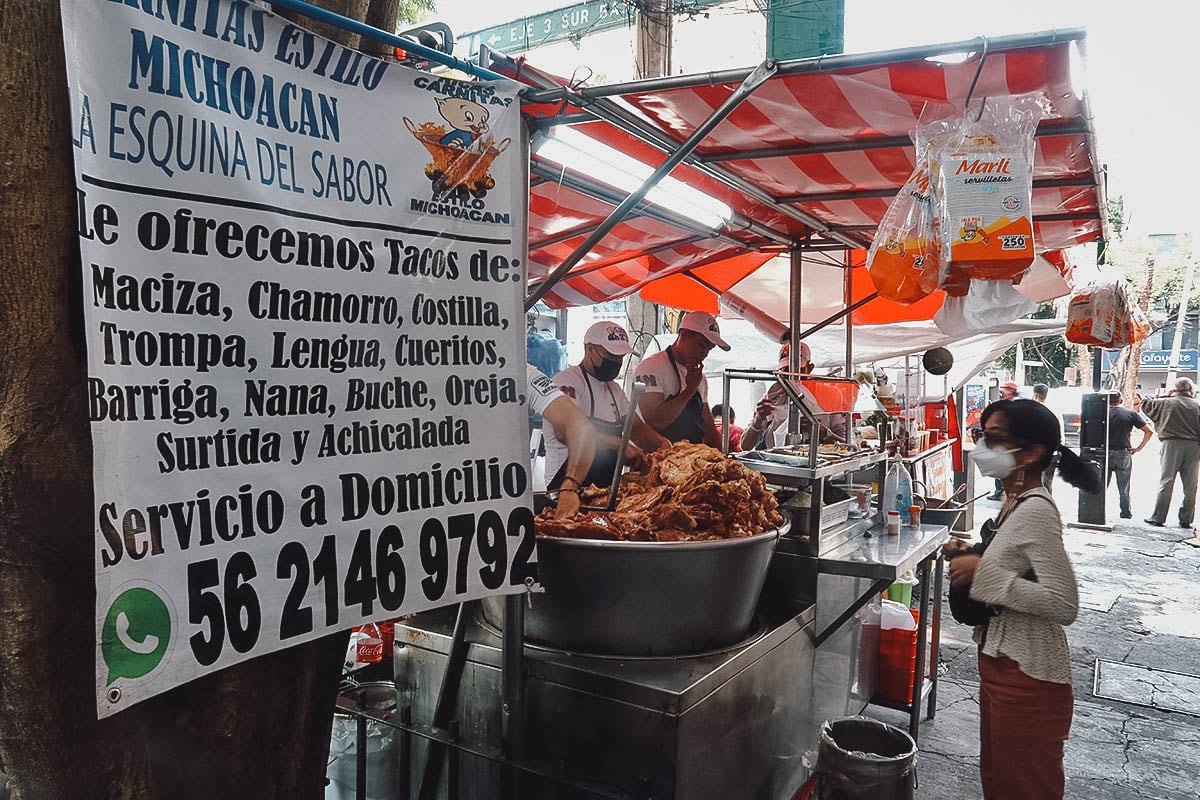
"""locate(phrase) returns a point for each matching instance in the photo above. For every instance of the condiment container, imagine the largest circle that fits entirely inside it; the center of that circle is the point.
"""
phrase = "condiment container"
(914, 516)
(893, 523)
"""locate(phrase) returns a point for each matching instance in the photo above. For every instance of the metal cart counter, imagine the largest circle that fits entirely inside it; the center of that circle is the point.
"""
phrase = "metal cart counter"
(882, 559)
(732, 723)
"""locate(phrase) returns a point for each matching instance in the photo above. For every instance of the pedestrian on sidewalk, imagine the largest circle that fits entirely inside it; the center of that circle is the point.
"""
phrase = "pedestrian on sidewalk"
(1025, 701)
(1176, 418)
(1121, 422)
(1040, 392)
(1008, 391)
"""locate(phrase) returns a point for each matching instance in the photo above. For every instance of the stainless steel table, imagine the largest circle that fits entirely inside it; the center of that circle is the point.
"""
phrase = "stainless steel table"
(885, 558)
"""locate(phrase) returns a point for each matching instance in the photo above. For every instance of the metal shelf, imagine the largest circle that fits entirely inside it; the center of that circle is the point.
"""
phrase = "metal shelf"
(785, 472)
(924, 454)
(803, 545)
(884, 556)
(887, 702)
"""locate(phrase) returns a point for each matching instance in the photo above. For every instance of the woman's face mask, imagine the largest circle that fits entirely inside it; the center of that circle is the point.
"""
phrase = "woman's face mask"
(994, 462)
(608, 368)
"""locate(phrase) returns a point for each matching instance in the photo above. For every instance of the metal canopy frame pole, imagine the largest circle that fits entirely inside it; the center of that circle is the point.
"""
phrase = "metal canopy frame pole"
(447, 699)
(1085, 182)
(832, 318)
(847, 296)
(795, 311)
(622, 118)
(583, 185)
(752, 82)
(362, 29)
(823, 64)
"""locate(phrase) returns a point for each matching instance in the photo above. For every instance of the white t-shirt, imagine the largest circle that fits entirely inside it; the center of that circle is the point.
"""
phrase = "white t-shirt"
(611, 405)
(541, 390)
(775, 429)
(663, 377)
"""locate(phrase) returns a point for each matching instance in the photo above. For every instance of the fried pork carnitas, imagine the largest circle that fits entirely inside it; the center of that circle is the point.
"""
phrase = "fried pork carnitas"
(688, 492)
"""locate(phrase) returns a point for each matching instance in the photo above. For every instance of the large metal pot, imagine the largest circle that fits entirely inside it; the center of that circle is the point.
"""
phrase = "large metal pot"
(644, 598)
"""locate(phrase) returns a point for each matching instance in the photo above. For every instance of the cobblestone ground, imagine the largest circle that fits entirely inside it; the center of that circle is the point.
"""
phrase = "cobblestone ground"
(1140, 598)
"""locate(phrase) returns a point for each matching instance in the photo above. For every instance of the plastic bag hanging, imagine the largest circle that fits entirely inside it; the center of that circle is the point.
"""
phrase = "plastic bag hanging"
(986, 305)
(1103, 315)
(903, 262)
(981, 180)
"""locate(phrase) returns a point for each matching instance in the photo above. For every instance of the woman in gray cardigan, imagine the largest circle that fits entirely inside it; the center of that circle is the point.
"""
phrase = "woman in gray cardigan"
(1026, 701)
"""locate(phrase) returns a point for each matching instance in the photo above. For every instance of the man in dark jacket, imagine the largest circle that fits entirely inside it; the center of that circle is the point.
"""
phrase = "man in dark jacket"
(1121, 422)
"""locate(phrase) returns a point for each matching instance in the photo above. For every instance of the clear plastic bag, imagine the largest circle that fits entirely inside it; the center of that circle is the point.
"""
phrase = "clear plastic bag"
(1102, 314)
(981, 181)
(903, 261)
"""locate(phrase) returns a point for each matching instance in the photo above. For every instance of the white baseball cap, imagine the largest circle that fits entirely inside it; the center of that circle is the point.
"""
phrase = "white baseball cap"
(704, 324)
(610, 337)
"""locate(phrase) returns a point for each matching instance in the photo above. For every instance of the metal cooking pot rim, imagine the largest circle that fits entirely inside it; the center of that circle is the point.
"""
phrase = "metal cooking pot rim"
(714, 544)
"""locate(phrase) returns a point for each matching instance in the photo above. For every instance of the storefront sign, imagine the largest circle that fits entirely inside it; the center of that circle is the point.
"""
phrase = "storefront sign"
(303, 272)
(1159, 360)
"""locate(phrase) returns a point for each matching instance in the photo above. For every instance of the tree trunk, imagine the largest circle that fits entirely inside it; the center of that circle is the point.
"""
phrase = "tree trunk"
(258, 729)
(1083, 357)
(381, 14)
(1135, 349)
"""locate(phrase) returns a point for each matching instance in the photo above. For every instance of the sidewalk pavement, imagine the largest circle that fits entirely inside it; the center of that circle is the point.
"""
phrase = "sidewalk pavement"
(1139, 589)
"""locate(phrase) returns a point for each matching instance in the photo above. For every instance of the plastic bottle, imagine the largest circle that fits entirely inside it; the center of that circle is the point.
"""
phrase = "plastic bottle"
(897, 490)
(370, 647)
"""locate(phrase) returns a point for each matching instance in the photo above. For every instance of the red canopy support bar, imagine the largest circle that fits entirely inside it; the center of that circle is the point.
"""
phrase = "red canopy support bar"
(631, 124)
(817, 64)
(747, 87)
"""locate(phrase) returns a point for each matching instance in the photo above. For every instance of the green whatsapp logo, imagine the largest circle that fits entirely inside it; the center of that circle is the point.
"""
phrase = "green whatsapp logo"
(137, 630)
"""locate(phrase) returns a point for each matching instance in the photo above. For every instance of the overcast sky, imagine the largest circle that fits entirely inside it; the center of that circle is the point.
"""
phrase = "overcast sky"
(1140, 79)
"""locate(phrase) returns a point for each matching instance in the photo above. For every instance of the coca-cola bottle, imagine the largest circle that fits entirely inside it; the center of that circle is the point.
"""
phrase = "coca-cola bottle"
(370, 644)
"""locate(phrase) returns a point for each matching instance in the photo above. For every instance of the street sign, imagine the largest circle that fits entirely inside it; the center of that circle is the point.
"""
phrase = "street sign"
(574, 21)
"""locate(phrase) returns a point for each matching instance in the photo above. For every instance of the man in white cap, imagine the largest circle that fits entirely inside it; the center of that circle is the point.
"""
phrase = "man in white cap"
(771, 414)
(569, 425)
(675, 402)
(591, 385)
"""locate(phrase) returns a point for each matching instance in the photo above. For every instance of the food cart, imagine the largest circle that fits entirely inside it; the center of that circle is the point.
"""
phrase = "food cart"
(804, 155)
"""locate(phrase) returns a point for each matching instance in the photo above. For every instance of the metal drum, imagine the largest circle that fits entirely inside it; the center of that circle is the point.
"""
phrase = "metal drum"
(644, 598)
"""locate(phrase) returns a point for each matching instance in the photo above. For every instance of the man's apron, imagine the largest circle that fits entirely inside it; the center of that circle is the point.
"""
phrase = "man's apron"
(689, 425)
(604, 464)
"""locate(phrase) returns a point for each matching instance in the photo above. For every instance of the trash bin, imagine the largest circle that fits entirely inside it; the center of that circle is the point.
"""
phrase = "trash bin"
(382, 751)
(865, 759)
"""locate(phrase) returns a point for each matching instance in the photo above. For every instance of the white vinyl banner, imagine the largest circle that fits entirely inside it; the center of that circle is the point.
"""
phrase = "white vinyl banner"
(303, 272)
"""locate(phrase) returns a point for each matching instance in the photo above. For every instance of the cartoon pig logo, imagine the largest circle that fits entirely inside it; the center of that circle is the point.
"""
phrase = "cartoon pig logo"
(468, 121)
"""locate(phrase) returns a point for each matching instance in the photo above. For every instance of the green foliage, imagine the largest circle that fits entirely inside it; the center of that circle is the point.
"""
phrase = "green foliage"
(1053, 351)
(411, 12)
(1116, 216)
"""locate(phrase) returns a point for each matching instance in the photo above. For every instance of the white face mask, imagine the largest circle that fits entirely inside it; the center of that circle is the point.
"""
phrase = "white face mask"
(994, 463)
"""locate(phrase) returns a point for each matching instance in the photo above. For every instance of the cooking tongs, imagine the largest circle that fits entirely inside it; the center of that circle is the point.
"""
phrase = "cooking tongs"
(635, 394)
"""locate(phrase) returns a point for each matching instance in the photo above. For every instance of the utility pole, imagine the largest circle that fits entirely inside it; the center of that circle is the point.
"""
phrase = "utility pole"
(652, 59)
(1181, 319)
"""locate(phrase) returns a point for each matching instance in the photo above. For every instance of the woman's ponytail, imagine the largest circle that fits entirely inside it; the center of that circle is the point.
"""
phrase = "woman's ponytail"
(1077, 472)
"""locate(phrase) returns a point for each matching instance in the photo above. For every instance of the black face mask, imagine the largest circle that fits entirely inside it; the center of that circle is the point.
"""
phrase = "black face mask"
(607, 369)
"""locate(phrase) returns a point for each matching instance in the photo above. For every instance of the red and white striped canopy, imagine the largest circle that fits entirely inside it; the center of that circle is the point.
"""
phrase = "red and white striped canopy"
(833, 144)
